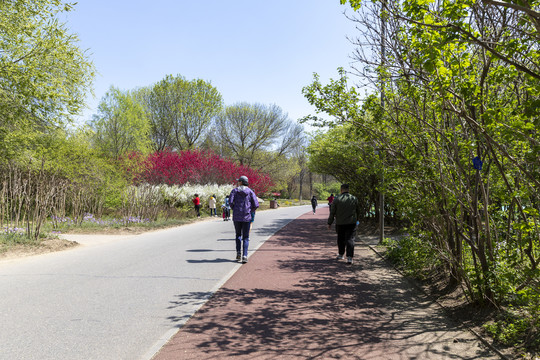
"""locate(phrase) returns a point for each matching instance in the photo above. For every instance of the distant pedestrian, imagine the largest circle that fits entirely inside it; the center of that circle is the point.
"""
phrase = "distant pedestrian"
(346, 210)
(212, 205)
(197, 204)
(243, 203)
(330, 199)
(314, 203)
(226, 209)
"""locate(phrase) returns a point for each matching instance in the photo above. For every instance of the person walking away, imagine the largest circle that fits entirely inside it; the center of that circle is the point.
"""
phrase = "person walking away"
(226, 209)
(212, 205)
(314, 203)
(330, 199)
(345, 209)
(243, 203)
(197, 204)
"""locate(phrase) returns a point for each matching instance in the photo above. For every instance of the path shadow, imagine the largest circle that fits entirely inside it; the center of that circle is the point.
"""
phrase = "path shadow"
(327, 311)
(210, 261)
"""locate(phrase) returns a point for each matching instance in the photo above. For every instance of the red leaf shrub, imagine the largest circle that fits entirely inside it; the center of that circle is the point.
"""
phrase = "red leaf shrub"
(199, 167)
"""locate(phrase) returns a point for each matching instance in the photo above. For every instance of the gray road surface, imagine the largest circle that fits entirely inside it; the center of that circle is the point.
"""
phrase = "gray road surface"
(122, 298)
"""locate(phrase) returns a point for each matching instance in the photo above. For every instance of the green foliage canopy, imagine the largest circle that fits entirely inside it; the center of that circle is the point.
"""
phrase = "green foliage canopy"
(121, 125)
(44, 76)
(460, 81)
(180, 111)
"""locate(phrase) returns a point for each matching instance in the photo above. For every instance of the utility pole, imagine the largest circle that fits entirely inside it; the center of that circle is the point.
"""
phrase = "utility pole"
(383, 63)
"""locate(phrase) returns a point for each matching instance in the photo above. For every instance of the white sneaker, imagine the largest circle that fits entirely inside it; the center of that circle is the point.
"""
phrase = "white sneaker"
(349, 260)
(339, 257)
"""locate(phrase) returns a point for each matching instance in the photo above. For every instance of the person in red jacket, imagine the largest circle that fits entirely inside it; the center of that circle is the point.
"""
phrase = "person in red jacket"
(197, 203)
(330, 199)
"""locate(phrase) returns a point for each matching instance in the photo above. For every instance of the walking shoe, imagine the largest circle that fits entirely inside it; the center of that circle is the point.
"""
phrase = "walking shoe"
(349, 261)
(244, 259)
(339, 257)
(238, 257)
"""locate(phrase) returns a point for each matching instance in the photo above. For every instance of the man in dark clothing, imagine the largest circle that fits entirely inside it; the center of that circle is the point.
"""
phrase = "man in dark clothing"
(314, 203)
(346, 210)
(243, 203)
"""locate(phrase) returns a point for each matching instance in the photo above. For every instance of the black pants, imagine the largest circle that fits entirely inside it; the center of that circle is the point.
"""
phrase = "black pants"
(345, 239)
(198, 210)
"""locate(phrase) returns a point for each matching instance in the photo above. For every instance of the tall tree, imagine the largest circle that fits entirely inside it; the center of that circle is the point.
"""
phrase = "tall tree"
(121, 124)
(181, 111)
(44, 76)
(249, 129)
(198, 102)
(158, 108)
(457, 131)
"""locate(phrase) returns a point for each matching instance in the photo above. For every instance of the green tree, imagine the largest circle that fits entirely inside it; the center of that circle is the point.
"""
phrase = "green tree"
(159, 111)
(343, 153)
(459, 81)
(181, 111)
(251, 130)
(44, 76)
(120, 125)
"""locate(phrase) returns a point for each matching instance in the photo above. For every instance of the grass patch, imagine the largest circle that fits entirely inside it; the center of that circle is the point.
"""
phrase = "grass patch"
(517, 330)
(113, 225)
(15, 238)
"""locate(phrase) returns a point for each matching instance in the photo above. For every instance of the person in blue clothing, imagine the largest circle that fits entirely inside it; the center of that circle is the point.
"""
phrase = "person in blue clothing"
(226, 209)
(243, 203)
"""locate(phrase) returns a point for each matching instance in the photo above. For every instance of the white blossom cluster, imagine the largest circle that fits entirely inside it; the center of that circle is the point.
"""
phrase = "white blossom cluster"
(182, 195)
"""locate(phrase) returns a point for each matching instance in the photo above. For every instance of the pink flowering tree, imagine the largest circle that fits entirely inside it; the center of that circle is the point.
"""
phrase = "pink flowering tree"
(199, 167)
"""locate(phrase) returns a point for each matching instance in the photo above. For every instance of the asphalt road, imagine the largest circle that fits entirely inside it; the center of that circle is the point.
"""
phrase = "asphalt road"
(119, 299)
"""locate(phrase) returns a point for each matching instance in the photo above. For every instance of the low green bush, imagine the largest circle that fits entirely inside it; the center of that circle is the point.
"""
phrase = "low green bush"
(412, 254)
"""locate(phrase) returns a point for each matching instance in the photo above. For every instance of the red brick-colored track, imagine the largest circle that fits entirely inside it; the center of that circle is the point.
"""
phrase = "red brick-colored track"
(293, 300)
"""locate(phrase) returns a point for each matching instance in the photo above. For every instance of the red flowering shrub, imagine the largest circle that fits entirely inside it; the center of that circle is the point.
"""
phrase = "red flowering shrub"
(199, 167)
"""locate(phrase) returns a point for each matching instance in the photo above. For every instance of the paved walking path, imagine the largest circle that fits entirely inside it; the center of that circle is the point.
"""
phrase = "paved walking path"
(293, 300)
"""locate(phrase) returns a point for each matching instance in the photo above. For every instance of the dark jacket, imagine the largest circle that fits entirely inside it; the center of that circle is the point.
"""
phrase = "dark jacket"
(345, 209)
(243, 202)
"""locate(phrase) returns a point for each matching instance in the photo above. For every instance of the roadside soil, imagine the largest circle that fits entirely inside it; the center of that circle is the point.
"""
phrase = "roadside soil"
(44, 247)
(71, 239)
(61, 243)
(452, 300)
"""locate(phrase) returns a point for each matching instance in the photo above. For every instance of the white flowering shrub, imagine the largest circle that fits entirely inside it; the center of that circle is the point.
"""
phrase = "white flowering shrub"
(181, 196)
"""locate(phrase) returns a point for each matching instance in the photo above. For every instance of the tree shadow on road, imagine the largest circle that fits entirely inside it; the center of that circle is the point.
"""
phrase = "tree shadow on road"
(307, 305)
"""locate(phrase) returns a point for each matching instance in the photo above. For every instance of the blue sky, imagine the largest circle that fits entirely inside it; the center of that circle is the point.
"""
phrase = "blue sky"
(252, 51)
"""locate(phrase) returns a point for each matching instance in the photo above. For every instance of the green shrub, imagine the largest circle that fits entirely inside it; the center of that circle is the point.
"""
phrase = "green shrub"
(323, 191)
(520, 325)
(413, 254)
(511, 330)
